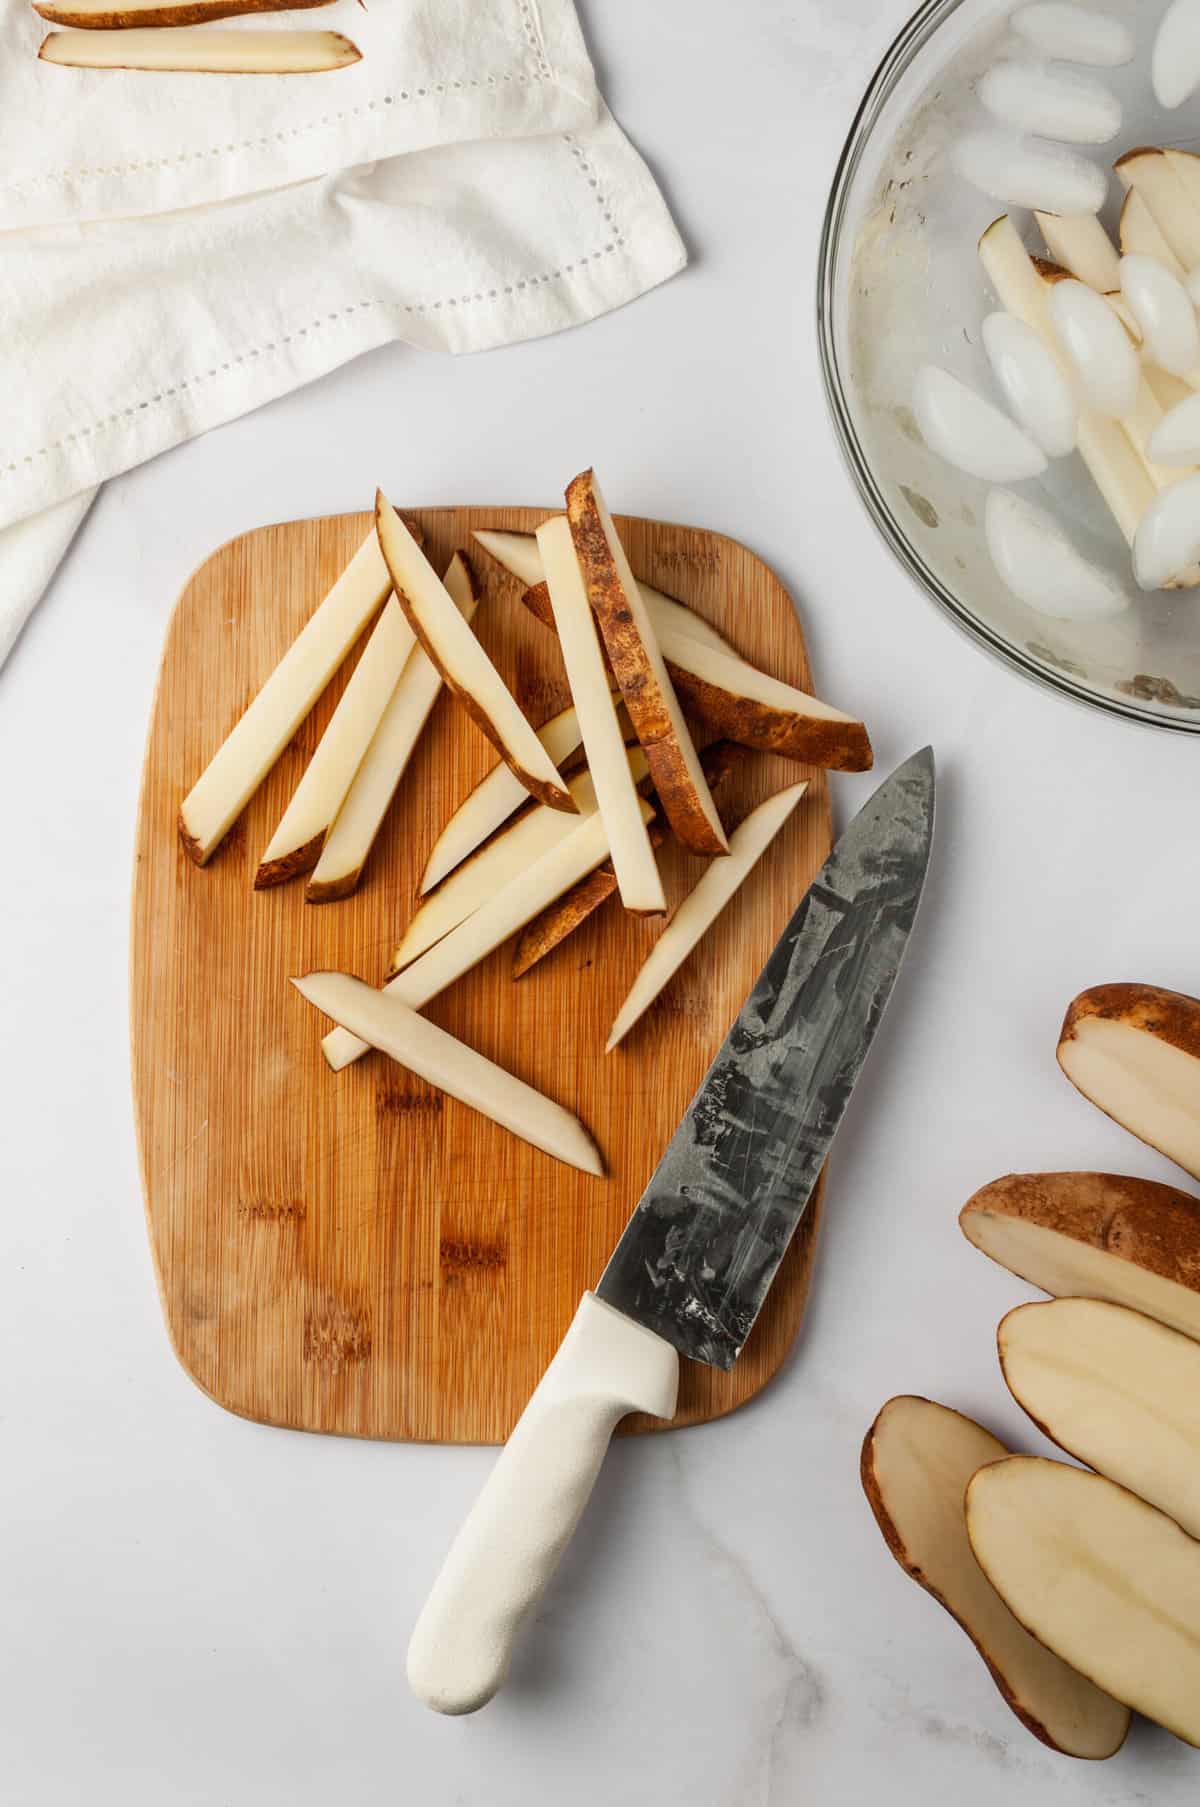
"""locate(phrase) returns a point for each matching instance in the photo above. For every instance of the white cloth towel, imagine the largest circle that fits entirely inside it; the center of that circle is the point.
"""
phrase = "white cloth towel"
(178, 249)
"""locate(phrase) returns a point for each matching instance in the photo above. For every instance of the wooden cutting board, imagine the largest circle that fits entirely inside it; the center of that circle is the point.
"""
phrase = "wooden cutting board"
(354, 1252)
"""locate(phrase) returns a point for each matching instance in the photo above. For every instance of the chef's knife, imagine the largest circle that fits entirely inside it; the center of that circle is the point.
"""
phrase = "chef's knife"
(699, 1253)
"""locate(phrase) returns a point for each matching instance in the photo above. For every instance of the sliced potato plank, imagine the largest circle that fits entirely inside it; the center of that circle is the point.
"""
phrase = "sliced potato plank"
(453, 1067)
(483, 931)
(737, 701)
(518, 553)
(297, 842)
(569, 912)
(1134, 1050)
(468, 671)
(202, 50)
(349, 841)
(1095, 1236)
(104, 15)
(246, 756)
(637, 663)
(1109, 1583)
(916, 1461)
(632, 855)
(1114, 1389)
(703, 904)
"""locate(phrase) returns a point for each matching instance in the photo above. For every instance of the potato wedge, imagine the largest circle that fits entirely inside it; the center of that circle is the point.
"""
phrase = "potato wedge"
(453, 1067)
(916, 1461)
(1168, 196)
(569, 912)
(637, 663)
(737, 701)
(1114, 1389)
(633, 861)
(703, 904)
(1134, 1050)
(519, 555)
(349, 841)
(1110, 1584)
(468, 671)
(203, 51)
(1080, 244)
(1095, 1236)
(484, 930)
(105, 15)
(247, 754)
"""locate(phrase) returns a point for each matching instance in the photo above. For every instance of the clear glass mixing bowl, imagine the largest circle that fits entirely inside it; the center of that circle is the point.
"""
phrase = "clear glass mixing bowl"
(900, 285)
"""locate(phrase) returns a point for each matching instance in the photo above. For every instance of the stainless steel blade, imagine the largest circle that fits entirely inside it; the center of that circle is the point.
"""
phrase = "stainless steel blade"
(701, 1249)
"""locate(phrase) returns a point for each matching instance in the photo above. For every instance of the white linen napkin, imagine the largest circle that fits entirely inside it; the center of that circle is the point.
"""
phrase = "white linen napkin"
(178, 249)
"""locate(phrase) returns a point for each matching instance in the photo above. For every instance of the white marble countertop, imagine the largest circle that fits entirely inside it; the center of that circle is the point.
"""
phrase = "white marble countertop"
(201, 1611)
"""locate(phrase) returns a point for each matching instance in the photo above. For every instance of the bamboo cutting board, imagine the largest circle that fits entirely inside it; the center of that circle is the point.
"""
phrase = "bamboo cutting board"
(354, 1252)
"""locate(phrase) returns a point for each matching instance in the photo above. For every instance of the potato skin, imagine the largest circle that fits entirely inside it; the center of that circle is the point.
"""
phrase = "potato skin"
(1151, 1225)
(1170, 1015)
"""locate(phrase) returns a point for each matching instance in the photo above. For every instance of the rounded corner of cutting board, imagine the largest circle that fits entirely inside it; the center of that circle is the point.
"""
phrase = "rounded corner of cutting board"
(319, 1267)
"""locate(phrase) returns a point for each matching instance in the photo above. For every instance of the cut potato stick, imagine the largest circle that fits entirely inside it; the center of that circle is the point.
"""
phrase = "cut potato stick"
(297, 842)
(703, 904)
(737, 701)
(1156, 178)
(452, 646)
(104, 15)
(637, 663)
(493, 801)
(1114, 1389)
(1134, 1050)
(1081, 245)
(603, 742)
(916, 1461)
(1142, 236)
(517, 845)
(453, 1067)
(483, 931)
(1115, 467)
(569, 912)
(518, 553)
(247, 755)
(358, 821)
(203, 50)
(1095, 1236)
(1106, 1581)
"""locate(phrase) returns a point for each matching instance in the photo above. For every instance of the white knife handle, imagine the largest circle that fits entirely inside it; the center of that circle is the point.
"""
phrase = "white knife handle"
(518, 1528)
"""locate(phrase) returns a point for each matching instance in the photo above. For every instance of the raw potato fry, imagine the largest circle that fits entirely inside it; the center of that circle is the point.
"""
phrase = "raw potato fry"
(296, 845)
(1081, 245)
(1114, 1389)
(450, 1065)
(700, 909)
(493, 801)
(1142, 236)
(352, 836)
(639, 669)
(518, 553)
(737, 701)
(203, 51)
(1134, 1050)
(243, 760)
(1158, 180)
(1095, 1236)
(104, 15)
(616, 794)
(547, 931)
(482, 933)
(1115, 467)
(1108, 1582)
(916, 1461)
(453, 648)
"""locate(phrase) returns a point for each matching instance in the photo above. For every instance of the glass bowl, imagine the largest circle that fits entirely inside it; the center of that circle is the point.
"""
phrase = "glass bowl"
(900, 285)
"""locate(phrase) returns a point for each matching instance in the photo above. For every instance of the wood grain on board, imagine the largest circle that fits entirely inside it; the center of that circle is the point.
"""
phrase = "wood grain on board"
(354, 1252)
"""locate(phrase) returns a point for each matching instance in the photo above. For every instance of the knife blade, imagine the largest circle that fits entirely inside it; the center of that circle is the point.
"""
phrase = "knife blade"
(697, 1258)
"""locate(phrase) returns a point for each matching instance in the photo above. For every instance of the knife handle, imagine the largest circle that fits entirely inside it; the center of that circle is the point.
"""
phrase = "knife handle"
(510, 1545)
